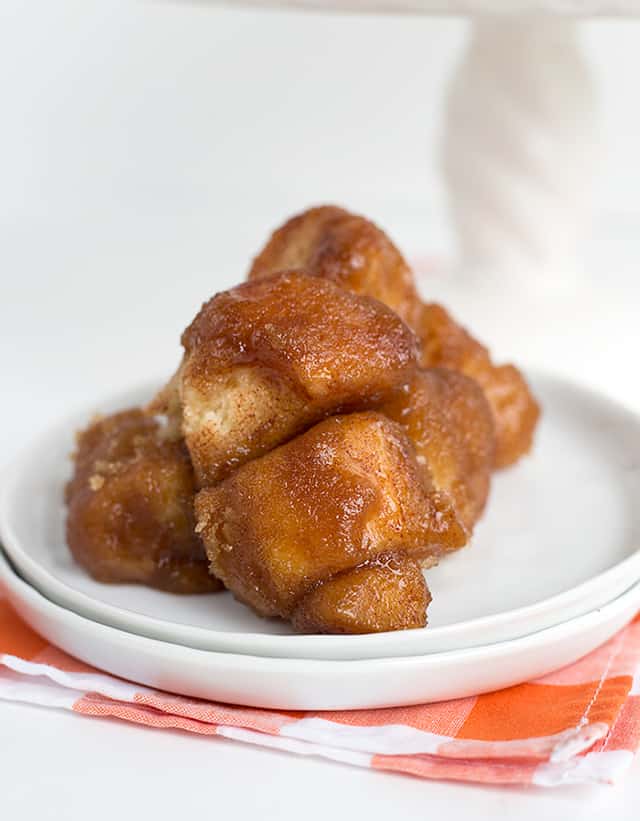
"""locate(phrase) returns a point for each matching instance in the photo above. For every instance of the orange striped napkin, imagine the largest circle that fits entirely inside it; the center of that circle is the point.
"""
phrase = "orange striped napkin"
(580, 724)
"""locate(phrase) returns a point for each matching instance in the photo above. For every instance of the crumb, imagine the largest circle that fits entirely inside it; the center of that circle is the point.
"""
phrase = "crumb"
(96, 481)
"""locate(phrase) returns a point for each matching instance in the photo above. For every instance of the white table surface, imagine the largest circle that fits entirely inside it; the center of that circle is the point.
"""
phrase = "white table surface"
(143, 157)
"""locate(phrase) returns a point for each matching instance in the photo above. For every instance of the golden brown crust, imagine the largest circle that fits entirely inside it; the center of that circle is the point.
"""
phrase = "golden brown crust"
(450, 423)
(130, 507)
(351, 251)
(347, 249)
(389, 593)
(515, 410)
(446, 344)
(335, 497)
(269, 358)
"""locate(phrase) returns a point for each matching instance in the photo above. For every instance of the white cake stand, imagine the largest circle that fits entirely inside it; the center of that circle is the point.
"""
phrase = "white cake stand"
(519, 140)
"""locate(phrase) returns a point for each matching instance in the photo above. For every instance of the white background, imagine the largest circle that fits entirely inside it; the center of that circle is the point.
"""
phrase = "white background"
(145, 151)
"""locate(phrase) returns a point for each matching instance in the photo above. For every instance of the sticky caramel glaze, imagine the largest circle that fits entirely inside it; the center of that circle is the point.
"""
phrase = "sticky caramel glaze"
(450, 423)
(330, 500)
(389, 593)
(446, 344)
(268, 359)
(347, 249)
(130, 507)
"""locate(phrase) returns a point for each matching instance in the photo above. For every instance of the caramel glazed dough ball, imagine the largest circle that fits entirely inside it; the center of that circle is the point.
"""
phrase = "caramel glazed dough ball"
(447, 417)
(331, 243)
(266, 360)
(329, 529)
(130, 507)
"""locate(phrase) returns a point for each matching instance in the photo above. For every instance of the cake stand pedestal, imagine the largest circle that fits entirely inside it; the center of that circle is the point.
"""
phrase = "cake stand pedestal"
(519, 136)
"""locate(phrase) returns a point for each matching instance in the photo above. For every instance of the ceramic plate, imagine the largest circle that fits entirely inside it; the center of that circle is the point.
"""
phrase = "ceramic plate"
(560, 537)
(316, 684)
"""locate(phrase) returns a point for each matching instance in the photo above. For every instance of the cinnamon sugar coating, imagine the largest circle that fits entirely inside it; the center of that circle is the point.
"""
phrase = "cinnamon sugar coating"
(446, 344)
(130, 507)
(450, 423)
(350, 250)
(268, 359)
(331, 500)
(344, 248)
(388, 593)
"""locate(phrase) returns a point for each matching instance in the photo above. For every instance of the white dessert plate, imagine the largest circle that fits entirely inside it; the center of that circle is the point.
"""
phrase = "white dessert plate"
(316, 684)
(559, 538)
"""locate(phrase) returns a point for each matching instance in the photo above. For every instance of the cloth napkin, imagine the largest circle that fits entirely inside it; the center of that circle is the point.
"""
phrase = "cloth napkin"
(580, 724)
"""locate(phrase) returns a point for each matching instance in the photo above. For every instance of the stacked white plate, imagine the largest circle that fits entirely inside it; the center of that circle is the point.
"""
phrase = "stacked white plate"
(552, 572)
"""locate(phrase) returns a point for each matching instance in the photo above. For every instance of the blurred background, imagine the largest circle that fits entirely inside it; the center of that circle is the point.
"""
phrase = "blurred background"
(148, 148)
